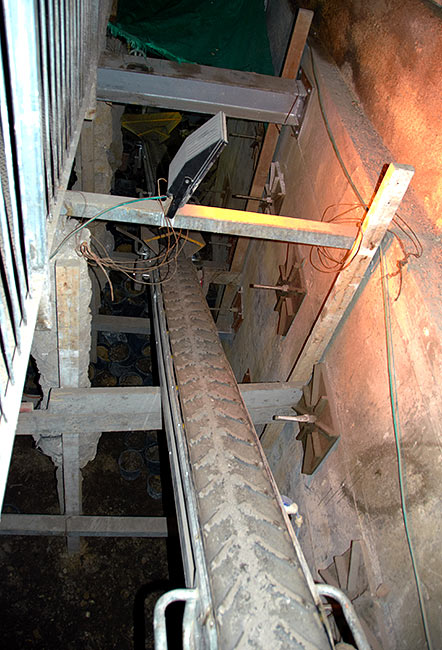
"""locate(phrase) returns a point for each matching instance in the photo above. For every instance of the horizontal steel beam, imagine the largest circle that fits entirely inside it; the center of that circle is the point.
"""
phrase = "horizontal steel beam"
(74, 410)
(199, 89)
(83, 526)
(208, 219)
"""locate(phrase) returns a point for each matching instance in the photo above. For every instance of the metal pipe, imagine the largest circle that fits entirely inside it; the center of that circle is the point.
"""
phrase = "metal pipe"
(349, 612)
(296, 418)
(159, 613)
(269, 287)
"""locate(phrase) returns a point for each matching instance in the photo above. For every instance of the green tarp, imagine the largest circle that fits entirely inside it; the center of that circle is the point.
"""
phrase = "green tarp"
(223, 33)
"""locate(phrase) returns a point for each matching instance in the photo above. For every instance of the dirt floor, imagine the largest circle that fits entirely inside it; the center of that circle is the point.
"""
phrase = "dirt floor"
(102, 598)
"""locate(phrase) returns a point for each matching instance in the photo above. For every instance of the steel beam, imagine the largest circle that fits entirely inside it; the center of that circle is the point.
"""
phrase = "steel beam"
(199, 89)
(208, 219)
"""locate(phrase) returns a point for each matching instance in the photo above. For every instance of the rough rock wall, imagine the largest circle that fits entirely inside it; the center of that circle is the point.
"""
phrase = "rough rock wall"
(390, 53)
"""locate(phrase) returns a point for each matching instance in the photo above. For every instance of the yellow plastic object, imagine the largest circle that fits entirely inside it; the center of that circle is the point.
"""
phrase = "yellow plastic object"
(145, 124)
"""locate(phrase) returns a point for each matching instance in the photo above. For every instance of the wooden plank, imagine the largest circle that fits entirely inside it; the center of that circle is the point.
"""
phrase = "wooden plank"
(83, 526)
(297, 43)
(103, 526)
(378, 218)
(217, 220)
(263, 401)
(126, 324)
(72, 482)
(45, 423)
(138, 408)
(289, 71)
(32, 525)
(67, 276)
(129, 400)
(96, 409)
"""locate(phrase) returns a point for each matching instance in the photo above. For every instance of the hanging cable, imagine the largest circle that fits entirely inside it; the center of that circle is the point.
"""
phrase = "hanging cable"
(99, 214)
(397, 436)
(398, 221)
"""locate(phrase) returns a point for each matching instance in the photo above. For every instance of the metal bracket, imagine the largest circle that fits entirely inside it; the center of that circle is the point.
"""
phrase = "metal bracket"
(302, 103)
(317, 432)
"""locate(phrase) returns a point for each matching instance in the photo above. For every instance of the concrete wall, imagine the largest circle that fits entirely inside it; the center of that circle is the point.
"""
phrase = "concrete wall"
(355, 493)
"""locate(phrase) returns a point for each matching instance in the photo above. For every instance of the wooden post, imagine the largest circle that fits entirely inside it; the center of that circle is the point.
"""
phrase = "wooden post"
(289, 71)
(73, 321)
(72, 483)
(377, 220)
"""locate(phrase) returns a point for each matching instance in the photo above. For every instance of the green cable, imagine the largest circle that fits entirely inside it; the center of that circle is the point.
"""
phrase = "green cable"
(331, 137)
(86, 223)
(398, 435)
(390, 363)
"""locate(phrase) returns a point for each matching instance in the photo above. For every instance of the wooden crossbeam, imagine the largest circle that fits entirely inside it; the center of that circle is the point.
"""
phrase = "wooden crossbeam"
(126, 324)
(137, 408)
(83, 526)
(209, 219)
(377, 220)
(289, 71)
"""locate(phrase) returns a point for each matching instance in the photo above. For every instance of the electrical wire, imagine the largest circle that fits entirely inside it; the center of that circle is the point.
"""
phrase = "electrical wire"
(143, 266)
(397, 436)
(398, 221)
(99, 214)
(330, 134)
(326, 261)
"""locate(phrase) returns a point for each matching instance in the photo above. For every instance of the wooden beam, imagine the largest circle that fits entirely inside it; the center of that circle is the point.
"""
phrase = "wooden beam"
(96, 409)
(297, 43)
(210, 219)
(263, 401)
(83, 526)
(136, 409)
(126, 324)
(378, 218)
(289, 71)
(72, 482)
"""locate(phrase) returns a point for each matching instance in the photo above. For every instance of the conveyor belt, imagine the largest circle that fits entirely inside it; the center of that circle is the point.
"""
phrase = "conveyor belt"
(259, 594)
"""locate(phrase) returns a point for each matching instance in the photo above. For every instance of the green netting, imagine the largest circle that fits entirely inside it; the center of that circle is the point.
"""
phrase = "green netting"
(223, 33)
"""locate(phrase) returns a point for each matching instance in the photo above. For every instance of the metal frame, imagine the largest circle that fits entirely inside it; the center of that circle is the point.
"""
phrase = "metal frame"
(200, 89)
(349, 612)
(194, 562)
(49, 56)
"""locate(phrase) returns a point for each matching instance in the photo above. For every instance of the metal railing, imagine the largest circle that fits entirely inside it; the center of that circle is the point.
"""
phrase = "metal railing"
(49, 51)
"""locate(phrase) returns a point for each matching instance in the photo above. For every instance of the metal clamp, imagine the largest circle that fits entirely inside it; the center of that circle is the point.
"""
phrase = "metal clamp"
(190, 597)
